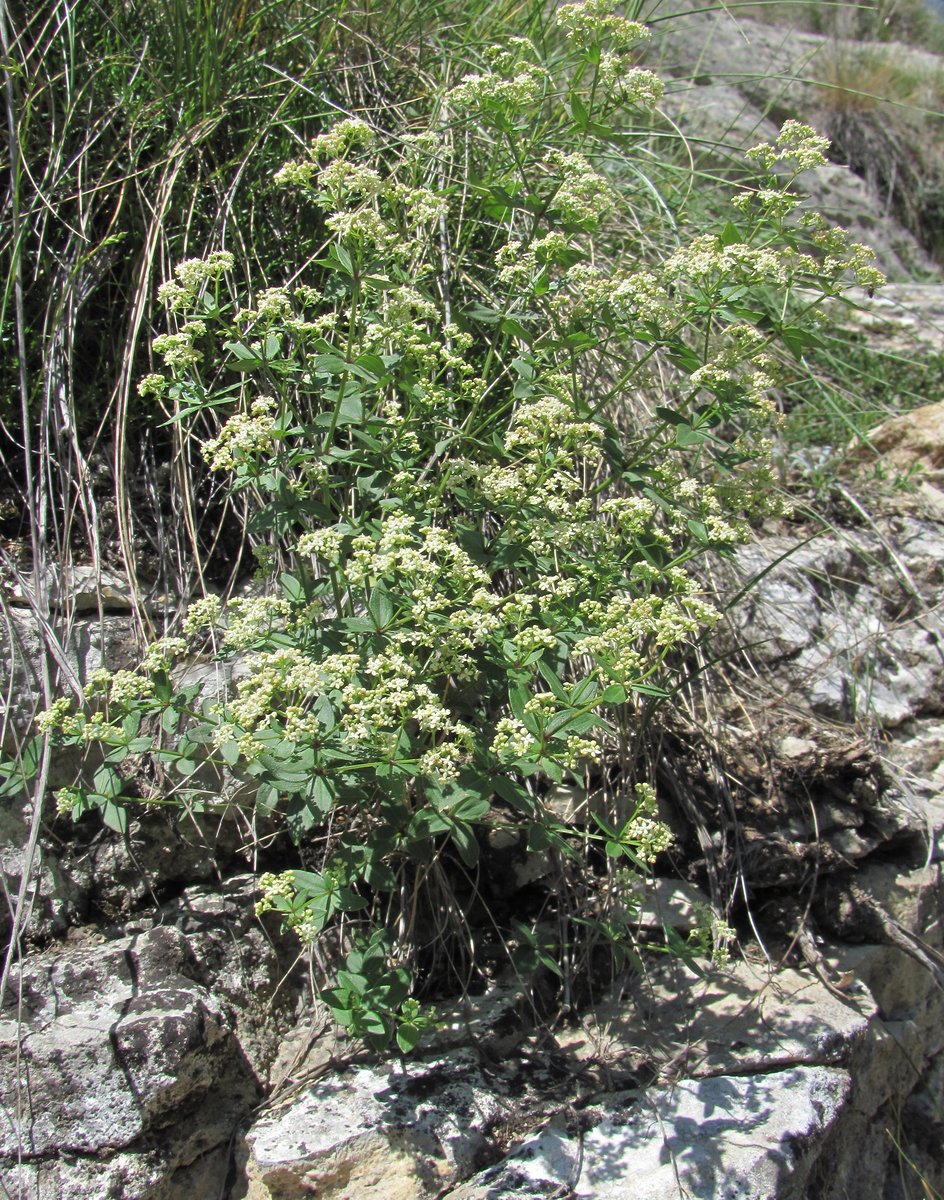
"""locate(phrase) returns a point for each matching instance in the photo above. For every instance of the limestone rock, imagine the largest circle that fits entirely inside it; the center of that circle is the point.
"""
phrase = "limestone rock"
(752, 1137)
(829, 621)
(86, 644)
(374, 1133)
(914, 440)
(80, 589)
(671, 904)
(247, 967)
(122, 1069)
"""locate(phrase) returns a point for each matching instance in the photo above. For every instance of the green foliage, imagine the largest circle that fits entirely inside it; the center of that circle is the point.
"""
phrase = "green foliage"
(476, 537)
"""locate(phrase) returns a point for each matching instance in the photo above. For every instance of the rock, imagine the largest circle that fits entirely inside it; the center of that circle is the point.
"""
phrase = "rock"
(752, 1137)
(164, 849)
(914, 440)
(124, 1071)
(54, 899)
(823, 619)
(86, 644)
(670, 904)
(400, 1132)
(743, 1020)
(732, 73)
(916, 764)
(79, 589)
(794, 747)
(248, 970)
(901, 318)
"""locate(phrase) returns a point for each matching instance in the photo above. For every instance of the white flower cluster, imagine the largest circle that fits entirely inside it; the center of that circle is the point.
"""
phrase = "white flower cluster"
(347, 135)
(190, 277)
(582, 195)
(153, 385)
(650, 837)
(251, 618)
(713, 936)
(127, 687)
(632, 298)
(798, 146)
(633, 85)
(512, 740)
(596, 22)
(161, 655)
(325, 544)
(59, 717)
(204, 613)
(548, 421)
(178, 349)
(495, 90)
(243, 437)
(708, 263)
(62, 719)
(629, 624)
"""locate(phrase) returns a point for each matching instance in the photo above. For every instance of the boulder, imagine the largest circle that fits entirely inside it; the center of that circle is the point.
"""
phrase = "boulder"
(394, 1132)
(749, 1136)
(79, 588)
(122, 1071)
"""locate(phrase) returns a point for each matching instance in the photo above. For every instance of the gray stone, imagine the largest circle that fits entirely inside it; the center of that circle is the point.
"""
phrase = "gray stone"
(823, 619)
(670, 904)
(85, 644)
(744, 71)
(746, 1019)
(794, 747)
(120, 1067)
(750, 1137)
(374, 1133)
(248, 967)
(79, 589)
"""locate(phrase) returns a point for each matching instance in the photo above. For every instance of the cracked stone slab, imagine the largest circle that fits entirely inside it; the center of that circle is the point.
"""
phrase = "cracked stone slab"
(394, 1132)
(744, 1020)
(749, 1137)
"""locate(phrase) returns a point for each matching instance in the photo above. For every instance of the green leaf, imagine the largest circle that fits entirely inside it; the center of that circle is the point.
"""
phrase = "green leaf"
(107, 782)
(584, 692)
(578, 110)
(380, 607)
(518, 697)
(267, 798)
(170, 719)
(466, 843)
(797, 340)
(330, 364)
(553, 681)
(320, 794)
(229, 752)
(686, 436)
(310, 883)
(245, 359)
(730, 235)
(31, 755)
(115, 817)
(514, 793)
(699, 531)
(407, 1037)
(292, 588)
(650, 689)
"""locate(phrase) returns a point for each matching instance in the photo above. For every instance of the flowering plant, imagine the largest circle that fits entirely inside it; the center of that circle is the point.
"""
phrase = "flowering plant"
(476, 527)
